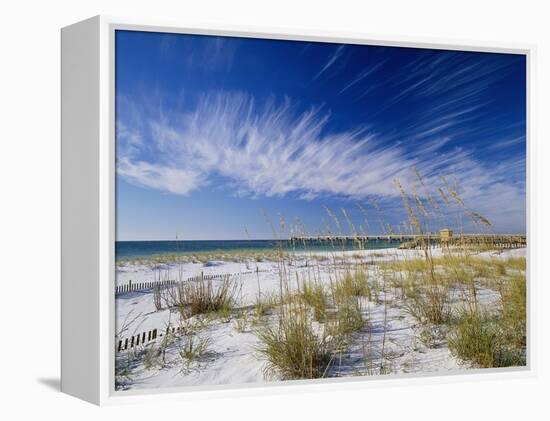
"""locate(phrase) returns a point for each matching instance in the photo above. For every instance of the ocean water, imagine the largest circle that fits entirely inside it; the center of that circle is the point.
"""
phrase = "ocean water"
(144, 249)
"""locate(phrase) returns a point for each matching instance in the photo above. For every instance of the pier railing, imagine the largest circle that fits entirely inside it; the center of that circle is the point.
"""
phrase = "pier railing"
(432, 240)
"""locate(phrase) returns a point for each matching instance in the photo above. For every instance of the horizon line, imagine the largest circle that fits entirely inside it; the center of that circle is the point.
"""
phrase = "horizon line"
(310, 237)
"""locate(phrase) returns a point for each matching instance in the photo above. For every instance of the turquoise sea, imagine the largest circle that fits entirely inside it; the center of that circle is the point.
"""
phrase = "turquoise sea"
(144, 249)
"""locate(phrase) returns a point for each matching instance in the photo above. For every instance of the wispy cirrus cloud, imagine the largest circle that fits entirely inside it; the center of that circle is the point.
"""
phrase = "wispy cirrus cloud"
(363, 75)
(332, 59)
(447, 78)
(273, 150)
(161, 177)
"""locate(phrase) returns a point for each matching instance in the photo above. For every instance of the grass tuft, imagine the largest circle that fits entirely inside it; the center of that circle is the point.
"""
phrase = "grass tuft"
(294, 349)
(206, 296)
(313, 294)
(479, 338)
(352, 284)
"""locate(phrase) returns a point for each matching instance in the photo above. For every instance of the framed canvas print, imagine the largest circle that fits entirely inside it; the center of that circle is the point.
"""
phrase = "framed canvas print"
(253, 210)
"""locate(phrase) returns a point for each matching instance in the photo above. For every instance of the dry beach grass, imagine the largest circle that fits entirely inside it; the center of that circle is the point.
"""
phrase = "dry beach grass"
(335, 313)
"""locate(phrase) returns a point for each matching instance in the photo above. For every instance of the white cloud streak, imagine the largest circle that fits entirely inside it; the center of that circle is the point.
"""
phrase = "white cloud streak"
(332, 59)
(273, 151)
(361, 76)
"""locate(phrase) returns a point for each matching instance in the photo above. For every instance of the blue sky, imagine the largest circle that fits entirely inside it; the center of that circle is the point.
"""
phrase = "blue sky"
(220, 137)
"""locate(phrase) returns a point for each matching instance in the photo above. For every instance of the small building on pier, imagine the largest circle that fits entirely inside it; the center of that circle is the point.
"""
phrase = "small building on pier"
(445, 234)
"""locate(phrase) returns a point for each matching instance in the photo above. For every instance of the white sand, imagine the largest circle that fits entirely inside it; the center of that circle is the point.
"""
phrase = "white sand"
(233, 358)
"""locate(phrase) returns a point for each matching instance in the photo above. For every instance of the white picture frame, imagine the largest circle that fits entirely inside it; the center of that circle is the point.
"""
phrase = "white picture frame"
(88, 210)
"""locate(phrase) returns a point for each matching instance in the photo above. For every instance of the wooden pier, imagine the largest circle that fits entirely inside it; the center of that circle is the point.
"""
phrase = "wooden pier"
(443, 238)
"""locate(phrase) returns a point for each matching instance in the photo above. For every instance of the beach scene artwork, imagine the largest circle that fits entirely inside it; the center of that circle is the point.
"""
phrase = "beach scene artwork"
(298, 210)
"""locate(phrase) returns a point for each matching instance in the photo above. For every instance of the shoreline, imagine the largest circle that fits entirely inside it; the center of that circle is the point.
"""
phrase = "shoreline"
(246, 252)
(214, 266)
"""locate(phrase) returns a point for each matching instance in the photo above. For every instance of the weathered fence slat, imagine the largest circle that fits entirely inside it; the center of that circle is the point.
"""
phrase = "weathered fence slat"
(139, 339)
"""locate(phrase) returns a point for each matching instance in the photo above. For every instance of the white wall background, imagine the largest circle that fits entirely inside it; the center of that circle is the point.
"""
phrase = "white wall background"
(30, 194)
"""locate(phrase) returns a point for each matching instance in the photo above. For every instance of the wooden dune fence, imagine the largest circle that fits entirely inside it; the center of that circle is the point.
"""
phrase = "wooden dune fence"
(136, 340)
(144, 286)
(143, 338)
